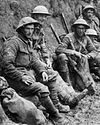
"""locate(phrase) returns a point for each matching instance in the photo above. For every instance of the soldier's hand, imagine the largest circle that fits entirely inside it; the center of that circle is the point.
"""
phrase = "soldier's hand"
(49, 64)
(78, 54)
(28, 80)
(44, 77)
(88, 56)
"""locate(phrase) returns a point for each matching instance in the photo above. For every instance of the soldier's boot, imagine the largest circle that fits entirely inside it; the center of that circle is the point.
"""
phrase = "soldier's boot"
(54, 114)
(62, 108)
(72, 102)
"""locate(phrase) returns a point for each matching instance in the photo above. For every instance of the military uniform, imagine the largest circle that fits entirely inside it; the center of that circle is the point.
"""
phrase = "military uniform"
(93, 25)
(94, 63)
(39, 45)
(94, 21)
(84, 46)
(19, 62)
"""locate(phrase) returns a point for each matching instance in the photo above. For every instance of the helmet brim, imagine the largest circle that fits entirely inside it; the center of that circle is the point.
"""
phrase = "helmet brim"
(19, 27)
(85, 9)
(86, 26)
(47, 14)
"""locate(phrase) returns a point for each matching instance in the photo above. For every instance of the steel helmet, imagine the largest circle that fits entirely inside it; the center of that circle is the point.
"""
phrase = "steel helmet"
(88, 7)
(80, 21)
(26, 20)
(40, 10)
(91, 32)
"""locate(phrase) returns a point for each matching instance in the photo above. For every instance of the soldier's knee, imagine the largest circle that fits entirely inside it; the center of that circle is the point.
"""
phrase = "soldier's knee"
(44, 91)
(62, 57)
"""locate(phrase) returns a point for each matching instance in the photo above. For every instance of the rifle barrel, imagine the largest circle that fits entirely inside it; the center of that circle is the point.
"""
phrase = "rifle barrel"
(65, 23)
(55, 34)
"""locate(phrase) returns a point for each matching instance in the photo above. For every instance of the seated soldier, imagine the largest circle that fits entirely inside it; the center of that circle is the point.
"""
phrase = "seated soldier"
(41, 13)
(19, 63)
(89, 16)
(93, 36)
(73, 53)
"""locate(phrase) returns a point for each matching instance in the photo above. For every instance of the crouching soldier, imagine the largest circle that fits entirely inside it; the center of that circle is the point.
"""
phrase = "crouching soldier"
(73, 54)
(19, 63)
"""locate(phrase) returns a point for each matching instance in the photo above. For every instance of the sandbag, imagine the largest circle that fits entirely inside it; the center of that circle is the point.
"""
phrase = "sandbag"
(26, 111)
(4, 120)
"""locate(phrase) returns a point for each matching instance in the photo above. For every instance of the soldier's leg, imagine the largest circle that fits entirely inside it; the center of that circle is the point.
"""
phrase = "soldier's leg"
(63, 67)
(53, 83)
(65, 92)
(71, 99)
(95, 65)
(82, 69)
(43, 94)
(37, 88)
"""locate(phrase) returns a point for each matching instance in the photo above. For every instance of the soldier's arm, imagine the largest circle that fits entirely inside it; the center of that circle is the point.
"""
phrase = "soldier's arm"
(64, 47)
(8, 61)
(91, 48)
(37, 65)
(44, 51)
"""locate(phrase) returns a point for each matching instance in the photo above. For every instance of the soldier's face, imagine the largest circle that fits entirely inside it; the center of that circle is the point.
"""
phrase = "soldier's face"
(80, 29)
(92, 37)
(28, 31)
(42, 18)
(90, 14)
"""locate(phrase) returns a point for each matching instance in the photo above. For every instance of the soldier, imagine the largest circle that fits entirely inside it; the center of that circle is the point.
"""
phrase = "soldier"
(19, 63)
(80, 6)
(91, 19)
(94, 63)
(93, 36)
(73, 54)
(41, 13)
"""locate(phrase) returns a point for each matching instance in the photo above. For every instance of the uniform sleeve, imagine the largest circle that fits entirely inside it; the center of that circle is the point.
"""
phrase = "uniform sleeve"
(62, 47)
(44, 50)
(91, 48)
(36, 64)
(9, 55)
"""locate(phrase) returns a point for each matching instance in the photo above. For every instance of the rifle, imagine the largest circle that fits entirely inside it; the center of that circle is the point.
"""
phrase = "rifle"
(55, 34)
(65, 23)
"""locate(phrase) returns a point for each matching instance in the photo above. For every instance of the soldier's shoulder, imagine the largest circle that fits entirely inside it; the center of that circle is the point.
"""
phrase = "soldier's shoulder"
(12, 40)
(70, 36)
